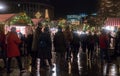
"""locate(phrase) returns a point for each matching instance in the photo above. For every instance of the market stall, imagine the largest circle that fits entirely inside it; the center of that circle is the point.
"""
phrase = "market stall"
(21, 21)
(112, 24)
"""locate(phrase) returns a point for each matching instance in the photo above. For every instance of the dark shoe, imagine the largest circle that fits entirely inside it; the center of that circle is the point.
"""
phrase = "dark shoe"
(109, 61)
(9, 71)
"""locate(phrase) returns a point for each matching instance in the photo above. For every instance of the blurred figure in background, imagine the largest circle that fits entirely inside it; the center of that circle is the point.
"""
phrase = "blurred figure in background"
(90, 45)
(68, 39)
(104, 45)
(28, 41)
(75, 45)
(3, 47)
(35, 45)
(22, 44)
(45, 48)
(96, 39)
(83, 39)
(117, 43)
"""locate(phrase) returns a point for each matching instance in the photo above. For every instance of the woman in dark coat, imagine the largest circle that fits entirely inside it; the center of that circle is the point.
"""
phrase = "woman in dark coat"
(45, 47)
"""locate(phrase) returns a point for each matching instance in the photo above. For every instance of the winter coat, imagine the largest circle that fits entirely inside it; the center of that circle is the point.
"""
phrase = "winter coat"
(103, 41)
(45, 48)
(29, 41)
(36, 36)
(2, 40)
(2, 45)
(90, 41)
(68, 36)
(13, 45)
(75, 43)
(59, 42)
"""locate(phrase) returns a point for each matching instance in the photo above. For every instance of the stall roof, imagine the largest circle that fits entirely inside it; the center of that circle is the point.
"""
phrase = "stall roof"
(112, 22)
(5, 17)
(36, 21)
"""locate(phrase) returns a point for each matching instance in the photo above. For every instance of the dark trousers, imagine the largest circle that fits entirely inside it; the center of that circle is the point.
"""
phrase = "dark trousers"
(68, 53)
(3, 56)
(84, 46)
(90, 51)
(104, 54)
(34, 58)
(75, 51)
(18, 60)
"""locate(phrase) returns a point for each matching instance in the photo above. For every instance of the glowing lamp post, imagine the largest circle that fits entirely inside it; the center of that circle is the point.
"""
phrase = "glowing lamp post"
(2, 7)
(46, 14)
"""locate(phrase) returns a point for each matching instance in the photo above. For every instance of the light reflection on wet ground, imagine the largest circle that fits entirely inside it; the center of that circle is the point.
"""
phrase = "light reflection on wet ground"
(82, 67)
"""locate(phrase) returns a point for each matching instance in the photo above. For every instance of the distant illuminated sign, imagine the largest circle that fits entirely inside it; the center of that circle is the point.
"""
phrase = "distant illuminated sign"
(73, 17)
(38, 14)
(94, 14)
(83, 15)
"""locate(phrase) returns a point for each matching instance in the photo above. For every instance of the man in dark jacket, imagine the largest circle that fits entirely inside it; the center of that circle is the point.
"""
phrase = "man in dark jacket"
(34, 51)
(45, 48)
(75, 45)
(60, 46)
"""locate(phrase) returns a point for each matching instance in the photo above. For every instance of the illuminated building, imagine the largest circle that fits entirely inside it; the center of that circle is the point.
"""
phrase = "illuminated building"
(30, 7)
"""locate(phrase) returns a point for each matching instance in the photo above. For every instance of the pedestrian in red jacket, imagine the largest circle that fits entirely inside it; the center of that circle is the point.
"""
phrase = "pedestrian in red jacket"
(13, 49)
(104, 45)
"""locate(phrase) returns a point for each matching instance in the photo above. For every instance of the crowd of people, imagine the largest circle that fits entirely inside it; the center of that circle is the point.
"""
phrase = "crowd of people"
(66, 42)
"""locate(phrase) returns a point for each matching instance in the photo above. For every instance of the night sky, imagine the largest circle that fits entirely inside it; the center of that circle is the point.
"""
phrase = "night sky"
(64, 7)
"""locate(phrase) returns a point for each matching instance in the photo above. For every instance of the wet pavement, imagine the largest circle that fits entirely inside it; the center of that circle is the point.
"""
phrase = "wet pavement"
(82, 67)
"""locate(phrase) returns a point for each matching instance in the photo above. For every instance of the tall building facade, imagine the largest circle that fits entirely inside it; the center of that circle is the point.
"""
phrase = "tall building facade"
(29, 7)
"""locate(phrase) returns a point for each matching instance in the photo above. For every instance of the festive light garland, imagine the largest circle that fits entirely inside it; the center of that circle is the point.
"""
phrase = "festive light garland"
(21, 18)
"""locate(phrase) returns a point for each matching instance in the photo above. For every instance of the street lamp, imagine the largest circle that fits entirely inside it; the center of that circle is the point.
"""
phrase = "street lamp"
(2, 7)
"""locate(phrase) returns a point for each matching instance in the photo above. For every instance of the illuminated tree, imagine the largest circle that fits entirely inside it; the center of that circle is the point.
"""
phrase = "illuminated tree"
(108, 8)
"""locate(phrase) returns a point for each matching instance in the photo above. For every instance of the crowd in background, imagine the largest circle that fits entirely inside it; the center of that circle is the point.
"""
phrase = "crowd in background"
(66, 42)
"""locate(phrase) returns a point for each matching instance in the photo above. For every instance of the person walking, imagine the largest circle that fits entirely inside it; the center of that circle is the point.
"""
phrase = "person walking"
(83, 41)
(75, 45)
(104, 45)
(60, 48)
(3, 47)
(45, 48)
(90, 45)
(13, 49)
(68, 39)
(34, 50)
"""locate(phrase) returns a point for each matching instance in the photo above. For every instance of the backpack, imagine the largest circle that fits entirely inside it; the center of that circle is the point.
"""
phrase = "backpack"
(42, 41)
(43, 44)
